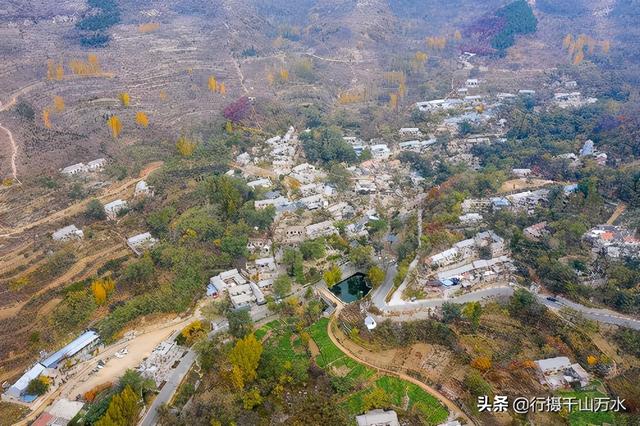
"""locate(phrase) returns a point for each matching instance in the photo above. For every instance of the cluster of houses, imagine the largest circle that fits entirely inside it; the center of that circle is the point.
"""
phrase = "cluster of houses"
(525, 201)
(242, 292)
(479, 259)
(614, 242)
(80, 168)
(572, 100)
(54, 366)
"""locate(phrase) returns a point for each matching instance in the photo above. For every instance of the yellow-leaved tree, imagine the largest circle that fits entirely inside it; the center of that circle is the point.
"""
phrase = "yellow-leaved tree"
(125, 99)
(284, 74)
(245, 355)
(393, 101)
(185, 147)
(115, 125)
(578, 58)
(222, 89)
(58, 103)
(59, 72)
(102, 288)
(457, 36)
(46, 119)
(142, 119)
(213, 84)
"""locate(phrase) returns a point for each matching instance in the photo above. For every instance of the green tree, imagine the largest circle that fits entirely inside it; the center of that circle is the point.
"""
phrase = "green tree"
(38, 386)
(332, 276)
(472, 312)
(451, 312)
(293, 259)
(376, 276)
(282, 286)
(240, 323)
(312, 249)
(95, 210)
(139, 271)
(476, 385)
(360, 256)
(376, 398)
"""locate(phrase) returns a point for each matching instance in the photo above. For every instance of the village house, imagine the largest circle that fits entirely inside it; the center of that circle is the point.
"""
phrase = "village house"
(243, 159)
(378, 417)
(142, 190)
(260, 183)
(481, 270)
(91, 166)
(322, 229)
(365, 186)
(262, 269)
(259, 246)
(79, 349)
(96, 165)
(313, 202)
(67, 233)
(416, 145)
(572, 100)
(223, 281)
(472, 83)
(559, 372)
(521, 173)
(113, 208)
(613, 241)
(277, 203)
(469, 248)
(587, 148)
(141, 242)
(470, 218)
(474, 205)
(290, 234)
(74, 169)
(59, 414)
(528, 200)
(380, 151)
(498, 203)
(410, 132)
(341, 210)
(536, 232)
(439, 104)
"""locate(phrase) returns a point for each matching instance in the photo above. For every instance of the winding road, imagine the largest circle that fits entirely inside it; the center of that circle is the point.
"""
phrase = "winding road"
(421, 308)
(12, 142)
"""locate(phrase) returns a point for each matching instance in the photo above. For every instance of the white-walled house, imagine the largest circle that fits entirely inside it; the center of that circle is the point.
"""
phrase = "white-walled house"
(67, 233)
(113, 208)
(141, 242)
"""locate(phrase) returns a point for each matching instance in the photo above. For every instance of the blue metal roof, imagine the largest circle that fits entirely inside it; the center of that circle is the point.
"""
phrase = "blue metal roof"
(81, 342)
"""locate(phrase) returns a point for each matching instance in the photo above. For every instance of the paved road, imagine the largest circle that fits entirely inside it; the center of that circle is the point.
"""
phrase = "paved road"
(169, 388)
(605, 316)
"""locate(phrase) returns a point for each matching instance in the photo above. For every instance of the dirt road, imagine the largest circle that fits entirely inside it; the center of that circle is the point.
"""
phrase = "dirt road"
(453, 408)
(616, 214)
(12, 142)
(14, 152)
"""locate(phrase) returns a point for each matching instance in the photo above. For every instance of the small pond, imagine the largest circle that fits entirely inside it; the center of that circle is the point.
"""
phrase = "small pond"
(351, 289)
